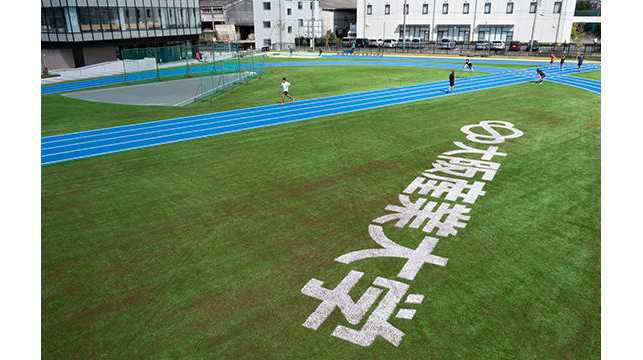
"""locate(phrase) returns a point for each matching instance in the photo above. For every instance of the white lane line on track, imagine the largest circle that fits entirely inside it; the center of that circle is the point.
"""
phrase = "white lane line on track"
(139, 128)
(267, 109)
(205, 122)
(473, 88)
(256, 127)
(123, 128)
(323, 113)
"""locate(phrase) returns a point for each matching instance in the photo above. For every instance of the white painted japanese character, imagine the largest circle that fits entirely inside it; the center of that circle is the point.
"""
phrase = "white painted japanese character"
(486, 154)
(415, 257)
(443, 217)
(377, 323)
(462, 167)
(437, 186)
(492, 135)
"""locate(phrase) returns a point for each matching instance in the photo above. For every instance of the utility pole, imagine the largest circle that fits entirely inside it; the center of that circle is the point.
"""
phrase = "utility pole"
(281, 40)
(404, 37)
(312, 15)
(533, 25)
(433, 23)
(473, 27)
(560, 15)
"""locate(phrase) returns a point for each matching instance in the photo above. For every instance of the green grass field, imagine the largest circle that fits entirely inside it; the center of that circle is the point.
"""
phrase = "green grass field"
(62, 114)
(594, 75)
(200, 249)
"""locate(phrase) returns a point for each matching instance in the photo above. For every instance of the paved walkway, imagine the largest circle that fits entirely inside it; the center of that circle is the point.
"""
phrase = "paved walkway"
(98, 142)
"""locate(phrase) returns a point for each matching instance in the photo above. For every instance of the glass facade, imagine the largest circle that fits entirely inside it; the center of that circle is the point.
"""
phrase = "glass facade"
(454, 32)
(415, 32)
(110, 17)
(496, 32)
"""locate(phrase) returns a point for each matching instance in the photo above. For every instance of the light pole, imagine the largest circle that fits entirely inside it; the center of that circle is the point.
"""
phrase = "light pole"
(473, 27)
(404, 37)
(533, 25)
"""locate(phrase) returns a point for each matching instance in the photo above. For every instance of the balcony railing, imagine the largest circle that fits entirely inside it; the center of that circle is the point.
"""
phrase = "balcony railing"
(587, 12)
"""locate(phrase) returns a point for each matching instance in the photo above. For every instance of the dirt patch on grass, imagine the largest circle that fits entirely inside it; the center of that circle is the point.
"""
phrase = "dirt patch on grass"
(86, 317)
(330, 180)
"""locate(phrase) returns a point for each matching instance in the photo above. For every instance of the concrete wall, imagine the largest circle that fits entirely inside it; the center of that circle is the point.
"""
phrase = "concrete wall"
(95, 55)
(56, 58)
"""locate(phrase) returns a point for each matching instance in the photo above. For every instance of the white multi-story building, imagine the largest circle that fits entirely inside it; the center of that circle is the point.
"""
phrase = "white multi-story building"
(467, 20)
(278, 22)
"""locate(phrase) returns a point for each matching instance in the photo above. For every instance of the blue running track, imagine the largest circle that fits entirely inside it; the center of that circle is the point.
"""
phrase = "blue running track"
(483, 65)
(59, 148)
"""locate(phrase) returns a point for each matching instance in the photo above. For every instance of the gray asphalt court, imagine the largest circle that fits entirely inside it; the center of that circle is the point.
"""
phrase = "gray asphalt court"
(163, 93)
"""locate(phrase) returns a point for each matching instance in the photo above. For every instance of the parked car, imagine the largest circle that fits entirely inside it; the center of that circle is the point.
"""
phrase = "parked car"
(415, 43)
(372, 43)
(497, 45)
(380, 42)
(483, 45)
(533, 46)
(514, 46)
(447, 44)
(361, 43)
(390, 43)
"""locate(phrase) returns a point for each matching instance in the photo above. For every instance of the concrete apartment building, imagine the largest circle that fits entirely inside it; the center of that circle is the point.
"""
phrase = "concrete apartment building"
(278, 22)
(83, 32)
(468, 20)
(228, 20)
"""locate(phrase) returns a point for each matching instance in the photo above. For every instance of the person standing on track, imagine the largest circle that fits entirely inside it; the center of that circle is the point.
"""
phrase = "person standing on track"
(451, 82)
(580, 59)
(466, 64)
(551, 60)
(562, 62)
(284, 94)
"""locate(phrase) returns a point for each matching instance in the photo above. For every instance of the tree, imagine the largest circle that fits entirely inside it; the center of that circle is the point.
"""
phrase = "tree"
(578, 34)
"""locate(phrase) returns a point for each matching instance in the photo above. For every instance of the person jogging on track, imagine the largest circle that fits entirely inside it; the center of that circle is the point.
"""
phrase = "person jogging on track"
(580, 59)
(451, 82)
(541, 76)
(284, 94)
(562, 61)
(551, 59)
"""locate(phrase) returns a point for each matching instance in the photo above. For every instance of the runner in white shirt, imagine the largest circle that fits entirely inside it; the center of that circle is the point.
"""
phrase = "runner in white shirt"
(284, 87)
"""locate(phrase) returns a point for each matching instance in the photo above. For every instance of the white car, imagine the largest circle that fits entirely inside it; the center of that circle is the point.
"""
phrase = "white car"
(497, 45)
(390, 43)
(447, 44)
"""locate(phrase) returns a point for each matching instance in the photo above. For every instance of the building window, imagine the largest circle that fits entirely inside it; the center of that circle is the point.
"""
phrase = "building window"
(495, 33)
(266, 24)
(301, 22)
(289, 29)
(266, 5)
(406, 9)
(487, 8)
(445, 9)
(311, 5)
(465, 8)
(299, 5)
(557, 7)
(369, 9)
(289, 11)
(425, 9)
(510, 8)
(266, 42)
(456, 33)
(387, 9)
(533, 6)
(55, 19)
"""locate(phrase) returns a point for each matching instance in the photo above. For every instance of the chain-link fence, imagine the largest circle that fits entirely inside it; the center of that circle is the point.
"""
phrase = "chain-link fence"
(218, 65)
